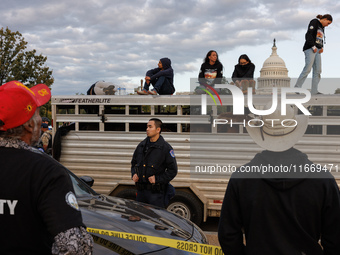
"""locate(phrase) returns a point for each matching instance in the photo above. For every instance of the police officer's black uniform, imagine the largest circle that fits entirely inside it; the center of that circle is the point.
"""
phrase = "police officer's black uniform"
(150, 159)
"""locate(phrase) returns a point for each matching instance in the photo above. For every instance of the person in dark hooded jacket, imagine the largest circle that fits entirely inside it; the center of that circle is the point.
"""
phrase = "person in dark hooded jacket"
(279, 201)
(161, 78)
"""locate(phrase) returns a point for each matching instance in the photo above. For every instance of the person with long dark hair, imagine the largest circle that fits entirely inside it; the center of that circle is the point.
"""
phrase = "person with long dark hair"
(313, 48)
(211, 71)
(244, 70)
(243, 75)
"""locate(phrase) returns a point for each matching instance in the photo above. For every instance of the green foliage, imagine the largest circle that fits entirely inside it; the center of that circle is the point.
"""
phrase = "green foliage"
(16, 63)
(146, 108)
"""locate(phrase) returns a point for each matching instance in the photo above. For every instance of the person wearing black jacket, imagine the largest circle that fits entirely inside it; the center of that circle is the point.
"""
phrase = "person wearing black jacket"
(161, 78)
(243, 75)
(244, 70)
(211, 71)
(313, 48)
(279, 201)
(153, 166)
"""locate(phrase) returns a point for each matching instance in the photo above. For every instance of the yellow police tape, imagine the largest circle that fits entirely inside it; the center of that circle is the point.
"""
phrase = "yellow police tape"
(173, 243)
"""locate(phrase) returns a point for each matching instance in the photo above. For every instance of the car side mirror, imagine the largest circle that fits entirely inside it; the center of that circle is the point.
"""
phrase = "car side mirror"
(88, 180)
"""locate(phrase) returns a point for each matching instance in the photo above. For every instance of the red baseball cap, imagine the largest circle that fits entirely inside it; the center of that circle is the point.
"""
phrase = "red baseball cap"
(18, 103)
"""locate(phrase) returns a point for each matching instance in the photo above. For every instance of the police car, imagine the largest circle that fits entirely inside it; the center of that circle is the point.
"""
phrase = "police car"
(122, 226)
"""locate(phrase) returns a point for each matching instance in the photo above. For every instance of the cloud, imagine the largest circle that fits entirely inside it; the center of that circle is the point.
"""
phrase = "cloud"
(89, 40)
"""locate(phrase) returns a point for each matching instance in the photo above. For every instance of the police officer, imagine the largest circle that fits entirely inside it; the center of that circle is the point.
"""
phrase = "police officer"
(39, 213)
(153, 166)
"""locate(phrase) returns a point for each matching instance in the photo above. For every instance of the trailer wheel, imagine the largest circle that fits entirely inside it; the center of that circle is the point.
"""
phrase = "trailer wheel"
(127, 193)
(187, 206)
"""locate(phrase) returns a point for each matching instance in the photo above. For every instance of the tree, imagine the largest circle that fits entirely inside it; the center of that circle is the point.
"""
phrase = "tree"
(18, 64)
(25, 66)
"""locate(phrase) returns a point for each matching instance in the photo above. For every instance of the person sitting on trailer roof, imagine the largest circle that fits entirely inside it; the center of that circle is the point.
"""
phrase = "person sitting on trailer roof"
(161, 78)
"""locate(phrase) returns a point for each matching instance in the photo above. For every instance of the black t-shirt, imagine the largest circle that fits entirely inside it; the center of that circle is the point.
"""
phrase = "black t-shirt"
(210, 74)
(36, 202)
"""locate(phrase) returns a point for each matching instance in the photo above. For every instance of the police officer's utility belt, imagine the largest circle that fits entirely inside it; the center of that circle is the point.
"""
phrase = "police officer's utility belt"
(157, 187)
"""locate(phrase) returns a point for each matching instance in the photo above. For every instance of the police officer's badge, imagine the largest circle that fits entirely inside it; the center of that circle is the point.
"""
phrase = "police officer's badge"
(311, 27)
(172, 153)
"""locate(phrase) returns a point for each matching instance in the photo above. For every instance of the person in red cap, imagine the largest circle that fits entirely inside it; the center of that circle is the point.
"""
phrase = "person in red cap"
(39, 213)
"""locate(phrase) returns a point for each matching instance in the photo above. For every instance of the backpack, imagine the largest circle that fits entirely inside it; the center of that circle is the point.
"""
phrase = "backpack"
(49, 146)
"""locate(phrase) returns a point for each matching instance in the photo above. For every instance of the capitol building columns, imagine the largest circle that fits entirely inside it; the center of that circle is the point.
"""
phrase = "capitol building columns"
(273, 74)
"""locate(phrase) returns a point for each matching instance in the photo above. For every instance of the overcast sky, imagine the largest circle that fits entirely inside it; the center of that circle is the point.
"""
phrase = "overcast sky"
(118, 41)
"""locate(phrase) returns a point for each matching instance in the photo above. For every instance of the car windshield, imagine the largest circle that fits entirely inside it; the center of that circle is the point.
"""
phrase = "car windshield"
(81, 189)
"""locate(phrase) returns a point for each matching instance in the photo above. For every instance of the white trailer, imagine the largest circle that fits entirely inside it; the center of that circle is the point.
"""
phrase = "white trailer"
(107, 130)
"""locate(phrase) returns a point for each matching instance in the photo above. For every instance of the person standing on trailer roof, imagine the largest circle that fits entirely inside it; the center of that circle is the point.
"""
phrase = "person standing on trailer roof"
(312, 49)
